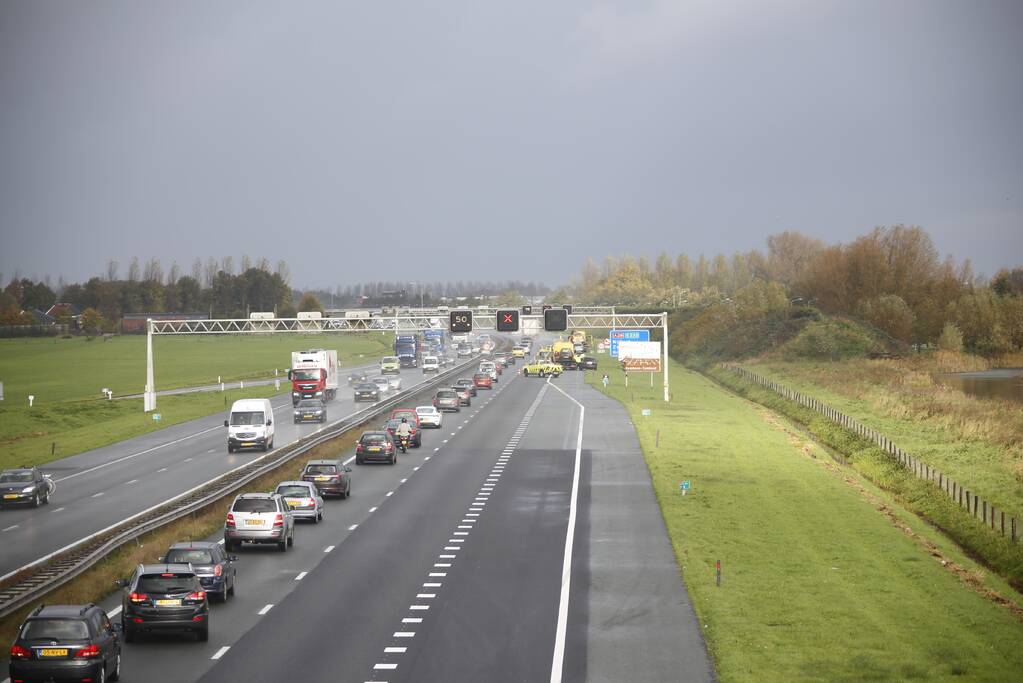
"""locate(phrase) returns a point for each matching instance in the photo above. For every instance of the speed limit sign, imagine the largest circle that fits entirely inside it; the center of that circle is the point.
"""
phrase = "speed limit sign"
(461, 322)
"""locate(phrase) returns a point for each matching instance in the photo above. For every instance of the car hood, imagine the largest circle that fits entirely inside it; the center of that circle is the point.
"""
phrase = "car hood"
(15, 488)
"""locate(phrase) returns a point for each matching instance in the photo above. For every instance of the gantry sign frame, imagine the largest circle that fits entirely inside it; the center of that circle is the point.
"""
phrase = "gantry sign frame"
(420, 320)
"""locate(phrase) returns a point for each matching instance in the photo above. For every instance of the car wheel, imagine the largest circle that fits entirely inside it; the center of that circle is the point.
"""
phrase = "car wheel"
(129, 632)
(101, 676)
(203, 634)
(222, 598)
(283, 546)
(230, 591)
(230, 448)
(115, 675)
(359, 461)
(319, 516)
(394, 459)
(37, 501)
(291, 539)
(525, 373)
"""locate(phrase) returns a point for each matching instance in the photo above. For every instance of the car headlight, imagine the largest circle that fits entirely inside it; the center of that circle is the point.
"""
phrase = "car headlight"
(294, 393)
(28, 489)
(297, 413)
(319, 393)
(319, 412)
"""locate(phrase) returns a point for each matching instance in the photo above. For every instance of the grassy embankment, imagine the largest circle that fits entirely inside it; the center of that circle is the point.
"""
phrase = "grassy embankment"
(75, 369)
(825, 576)
(97, 582)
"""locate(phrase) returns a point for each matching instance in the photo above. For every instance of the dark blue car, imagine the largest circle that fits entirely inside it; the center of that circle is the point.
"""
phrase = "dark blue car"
(214, 567)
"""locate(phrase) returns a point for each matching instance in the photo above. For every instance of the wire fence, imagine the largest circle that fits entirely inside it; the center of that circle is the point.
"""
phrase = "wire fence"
(981, 510)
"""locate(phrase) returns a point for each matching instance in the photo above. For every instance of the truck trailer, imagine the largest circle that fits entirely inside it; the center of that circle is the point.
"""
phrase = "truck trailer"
(313, 374)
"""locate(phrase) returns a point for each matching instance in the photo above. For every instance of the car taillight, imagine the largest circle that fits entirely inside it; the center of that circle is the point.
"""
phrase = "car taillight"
(197, 596)
(230, 520)
(18, 652)
(218, 570)
(88, 651)
(311, 502)
(279, 520)
(358, 448)
(138, 597)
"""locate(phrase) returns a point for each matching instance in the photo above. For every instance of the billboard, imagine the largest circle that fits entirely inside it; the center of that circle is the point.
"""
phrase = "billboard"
(617, 336)
(640, 356)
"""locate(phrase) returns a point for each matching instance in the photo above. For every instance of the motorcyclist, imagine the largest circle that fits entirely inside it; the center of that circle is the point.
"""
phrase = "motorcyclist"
(404, 429)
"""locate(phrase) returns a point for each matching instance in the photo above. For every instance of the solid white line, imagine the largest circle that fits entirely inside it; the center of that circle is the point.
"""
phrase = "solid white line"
(328, 549)
(13, 526)
(301, 575)
(265, 610)
(135, 455)
(221, 652)
(566, 571)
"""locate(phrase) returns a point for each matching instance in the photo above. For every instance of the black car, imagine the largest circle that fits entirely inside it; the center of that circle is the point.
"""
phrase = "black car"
(26, 486)
(367, 391)
(214, 567)
(588, 363)
(468, 384)
(164, 597)
(357, 378)
(310, 410)
(66, 642)
(375, 446)
(331, 477)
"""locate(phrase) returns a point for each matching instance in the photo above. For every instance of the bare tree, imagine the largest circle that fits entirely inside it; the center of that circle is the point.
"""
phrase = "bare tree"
(112, 266)
(197, 269)
(227, 265)
(264, 264)
(174, 274)
(283, 271)
(211, 272)
(133, 269)
(153, 272)
(246, 262)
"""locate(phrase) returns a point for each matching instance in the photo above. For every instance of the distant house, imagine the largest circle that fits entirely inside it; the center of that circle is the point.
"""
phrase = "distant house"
(58, 309)
(136, 322)
(41, 318)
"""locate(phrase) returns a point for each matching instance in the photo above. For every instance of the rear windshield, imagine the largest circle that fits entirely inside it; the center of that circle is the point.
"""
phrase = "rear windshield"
(15, 477)
(321, 469)
(446, 394)
(189, 555)
(167, 583)
(253, 417)
(310, 403)
(426, 411)
(480, 375)
(55, 629)
(390, 359)
(374, 438)
(293, 491)
(254, 505)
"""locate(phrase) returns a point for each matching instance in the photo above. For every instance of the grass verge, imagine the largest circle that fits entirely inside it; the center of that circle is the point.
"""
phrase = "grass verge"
(51, 432)
(97, 582)
(825, 576)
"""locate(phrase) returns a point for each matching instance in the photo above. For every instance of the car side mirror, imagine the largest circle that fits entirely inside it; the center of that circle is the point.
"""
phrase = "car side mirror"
(269, 422)
(225, 423)
(348, 469)
(162, 558)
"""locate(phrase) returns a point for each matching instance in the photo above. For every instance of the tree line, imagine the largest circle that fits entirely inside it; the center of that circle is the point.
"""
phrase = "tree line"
(891, 277)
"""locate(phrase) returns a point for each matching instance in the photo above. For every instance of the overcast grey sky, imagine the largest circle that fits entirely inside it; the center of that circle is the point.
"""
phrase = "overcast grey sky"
(498, 140)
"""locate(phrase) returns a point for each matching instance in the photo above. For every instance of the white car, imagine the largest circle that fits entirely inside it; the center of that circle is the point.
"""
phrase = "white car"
(303, 498)
(429, 416)
(431, 364)
(394, 382)
(489, 368)
(383, 383)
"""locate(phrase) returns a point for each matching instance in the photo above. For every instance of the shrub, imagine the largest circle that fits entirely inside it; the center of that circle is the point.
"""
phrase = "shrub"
(951, 338)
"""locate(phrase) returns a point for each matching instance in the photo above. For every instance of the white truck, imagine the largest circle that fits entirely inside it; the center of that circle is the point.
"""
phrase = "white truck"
(313, 374)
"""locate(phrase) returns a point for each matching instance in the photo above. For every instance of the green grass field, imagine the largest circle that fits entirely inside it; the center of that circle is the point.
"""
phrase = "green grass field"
(71, 369)
(818, 583)
(66, 375)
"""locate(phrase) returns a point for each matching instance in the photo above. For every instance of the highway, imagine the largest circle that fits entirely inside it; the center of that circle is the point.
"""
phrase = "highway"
(99, 488)
(451, 565)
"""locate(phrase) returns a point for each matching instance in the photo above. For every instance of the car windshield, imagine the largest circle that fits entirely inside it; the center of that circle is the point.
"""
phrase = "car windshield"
(479, 375)
(167, 583)
(309, 403)
(252, 417)
(392, 424)
(321, 469)
(15, 477)
(464, 382)
(390, 359)
(254, 505)
(55, 629)
(446, 394)
(367, 386)
(293, 491)
(189, 556)
(305, 374)
(426, 411)
(373, 439)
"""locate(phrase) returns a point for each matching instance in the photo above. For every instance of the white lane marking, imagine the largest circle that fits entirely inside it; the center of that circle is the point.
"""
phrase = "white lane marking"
(416, 468)
(133, 481)
(438, 575)
(221, 652)
(461, 533)
(162, 469)
(188, 460)
(411, 620)
(465, 526)
(328, 549)
(97, 495)
(404, 634)
(472, 514)
(114, 612)
(301, 575)
(220, 542)
(395, 650)
(351, 528)
(403, 481)
(425, 596)
(436, 449)
(390, 493)
(10, 528)
(386, 667)
(348, 461)
(59, 510)
(212, 450)
(442, 565)
(373, 509)
(419, 608)
(447, 557)
(426, 458)
(433, 584)
(265, 609)
(451, 547)
(566, 571)
(135, 455)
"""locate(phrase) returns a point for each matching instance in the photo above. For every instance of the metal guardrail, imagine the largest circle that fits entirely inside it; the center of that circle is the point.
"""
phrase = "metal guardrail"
(37, 578)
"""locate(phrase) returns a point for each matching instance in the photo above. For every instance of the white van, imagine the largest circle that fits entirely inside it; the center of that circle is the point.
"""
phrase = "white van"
(431, 364)
(250, 425)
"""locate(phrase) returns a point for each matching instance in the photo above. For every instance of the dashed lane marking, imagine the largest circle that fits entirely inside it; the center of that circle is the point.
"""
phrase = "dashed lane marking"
(221, 652)
(352, 528)
(265, 610)
(328, 549)
(301, 575)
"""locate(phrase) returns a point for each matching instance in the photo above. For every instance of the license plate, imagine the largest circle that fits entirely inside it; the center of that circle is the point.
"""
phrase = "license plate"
(373, 449)
(10, 496)
(168, 603)
(53, 652)
(322, 478)
(248, 443)
(293, 503)
(254, 522)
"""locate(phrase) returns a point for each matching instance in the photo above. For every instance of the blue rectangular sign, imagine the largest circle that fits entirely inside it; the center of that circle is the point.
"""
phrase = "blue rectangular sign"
(626, 335)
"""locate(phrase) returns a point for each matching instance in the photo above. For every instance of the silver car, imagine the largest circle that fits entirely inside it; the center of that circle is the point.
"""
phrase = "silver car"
(383, 384)
(303, 498)
(394, 382)
(259, 518)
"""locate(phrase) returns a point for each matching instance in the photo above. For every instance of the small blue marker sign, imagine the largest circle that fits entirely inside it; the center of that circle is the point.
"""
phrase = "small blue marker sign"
(684, 487)
(157, 417)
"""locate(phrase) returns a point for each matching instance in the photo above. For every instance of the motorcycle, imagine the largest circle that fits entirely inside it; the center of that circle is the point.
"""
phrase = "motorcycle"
(403, 443)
